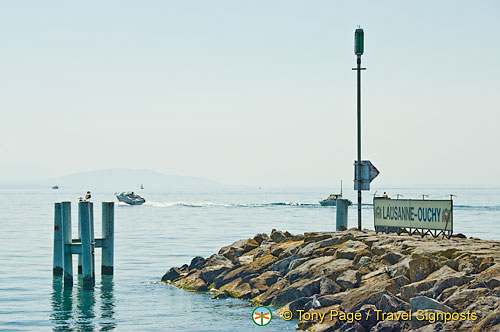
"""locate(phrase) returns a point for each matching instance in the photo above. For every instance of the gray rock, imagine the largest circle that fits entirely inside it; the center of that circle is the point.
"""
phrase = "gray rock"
(348, 279)
(390, 303)
(335, 268)
(350, 249)
(400, 282)
(208, 274)
(328, 300)
(276, 251)
(264, 280)
(388, 326)
(298, 304)
(445, 294)
(264, 249)
(317, 236)
(259, 238)
(462, 298)
(278, 236)
(436, 327)
(290, 251)
(238, 248)
(282, 265)
(417, 323)
(221, 295)
(312, 246)
(458, 279)
(424, 303)
(362, 261)
(217, 259)
(368, 310)
(328, 286)
(296, 262)
(172, 274)
(306, 268)
(413, 289)
(301, 288)
(197, 263)
(392, 257)
(384, 301)
(352, 327)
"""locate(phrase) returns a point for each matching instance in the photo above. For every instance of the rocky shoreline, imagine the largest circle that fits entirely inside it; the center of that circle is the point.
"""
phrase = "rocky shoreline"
(358, 280)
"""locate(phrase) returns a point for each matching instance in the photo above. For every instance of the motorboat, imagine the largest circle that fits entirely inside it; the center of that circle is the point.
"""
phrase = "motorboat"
(130, 198)
(332, 199)
(55, 187)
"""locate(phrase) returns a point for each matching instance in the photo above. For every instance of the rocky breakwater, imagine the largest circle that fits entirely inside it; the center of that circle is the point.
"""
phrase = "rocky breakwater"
(392, 282)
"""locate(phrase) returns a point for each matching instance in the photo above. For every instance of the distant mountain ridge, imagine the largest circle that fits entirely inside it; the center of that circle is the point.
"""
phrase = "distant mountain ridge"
(123, 179)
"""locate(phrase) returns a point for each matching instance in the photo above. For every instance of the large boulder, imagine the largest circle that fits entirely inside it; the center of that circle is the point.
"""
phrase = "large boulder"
(317, 236)
(424, 303)
(310, 247)
(214, 266)
(348, 279)
(173, 273)
(307, 268)
(301, 288)
(462, 298)
(263, 281)
(259, 265)
(192, 282)
(413, 289)
(197, 263)
(238, 248)
(350, 249)
(278, 236)
(389, 326)
(490, 323)
(416, 267)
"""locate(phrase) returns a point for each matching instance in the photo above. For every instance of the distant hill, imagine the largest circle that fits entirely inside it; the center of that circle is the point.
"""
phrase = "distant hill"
(122, 179)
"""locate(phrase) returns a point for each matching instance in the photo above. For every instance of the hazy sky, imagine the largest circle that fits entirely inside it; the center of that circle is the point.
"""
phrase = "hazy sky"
(251, 92)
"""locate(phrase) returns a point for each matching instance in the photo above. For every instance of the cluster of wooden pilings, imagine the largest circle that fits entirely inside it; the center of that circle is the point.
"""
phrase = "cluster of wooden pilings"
(84, 246)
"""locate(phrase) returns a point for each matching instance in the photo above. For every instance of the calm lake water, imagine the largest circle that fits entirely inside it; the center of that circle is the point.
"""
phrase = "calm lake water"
(169, 230)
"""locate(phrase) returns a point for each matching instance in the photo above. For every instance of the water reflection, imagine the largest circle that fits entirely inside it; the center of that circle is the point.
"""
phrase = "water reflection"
(75, 308)
(107, 304)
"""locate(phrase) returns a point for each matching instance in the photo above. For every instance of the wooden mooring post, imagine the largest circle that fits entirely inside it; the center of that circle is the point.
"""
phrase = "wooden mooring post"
(84, 246)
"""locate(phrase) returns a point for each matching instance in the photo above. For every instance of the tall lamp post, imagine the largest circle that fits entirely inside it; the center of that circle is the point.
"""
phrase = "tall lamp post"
(358, 50)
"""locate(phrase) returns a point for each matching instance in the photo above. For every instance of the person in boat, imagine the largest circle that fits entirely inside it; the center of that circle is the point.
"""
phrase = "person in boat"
(88, 196)
(385, 195)
(131, 195)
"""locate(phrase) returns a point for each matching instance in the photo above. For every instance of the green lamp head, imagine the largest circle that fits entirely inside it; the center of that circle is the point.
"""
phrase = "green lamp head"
(359, 42)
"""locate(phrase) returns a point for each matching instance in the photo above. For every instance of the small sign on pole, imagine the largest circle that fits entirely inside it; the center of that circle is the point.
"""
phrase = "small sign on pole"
(368, 173)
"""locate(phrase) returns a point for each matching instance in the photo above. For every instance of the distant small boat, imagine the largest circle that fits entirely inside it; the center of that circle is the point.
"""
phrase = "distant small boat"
(55, 187)
(130, 198)
(142, 187)
(332, 199)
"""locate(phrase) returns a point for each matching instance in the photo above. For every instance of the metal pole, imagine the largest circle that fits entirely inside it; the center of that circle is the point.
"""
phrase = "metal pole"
(58, 242)
(92, 238)
(67, 241)
(84, 220)
(359, 141)
(108, 228)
